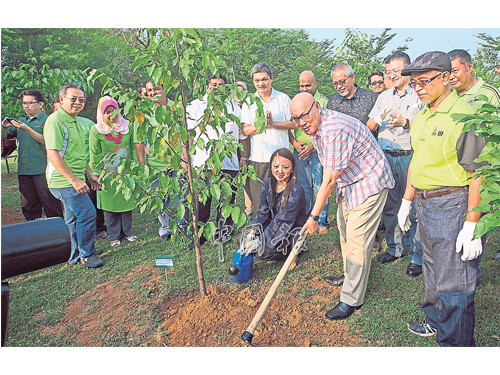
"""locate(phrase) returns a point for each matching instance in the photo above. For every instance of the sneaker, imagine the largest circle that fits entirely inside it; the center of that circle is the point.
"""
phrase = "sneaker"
(115, 243)
(132, 238)
(92, 261)
(101, 235)
(422, 328)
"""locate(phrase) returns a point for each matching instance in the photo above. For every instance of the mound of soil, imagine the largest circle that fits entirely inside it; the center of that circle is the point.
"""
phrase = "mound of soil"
(189, 320)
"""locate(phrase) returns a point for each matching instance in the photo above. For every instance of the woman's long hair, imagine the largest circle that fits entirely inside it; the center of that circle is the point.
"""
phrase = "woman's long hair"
(287, 154)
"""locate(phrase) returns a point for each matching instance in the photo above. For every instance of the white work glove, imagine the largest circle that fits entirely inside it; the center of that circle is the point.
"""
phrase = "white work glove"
(250, 244)
(381, 116)
(404, 215)
(472, 249)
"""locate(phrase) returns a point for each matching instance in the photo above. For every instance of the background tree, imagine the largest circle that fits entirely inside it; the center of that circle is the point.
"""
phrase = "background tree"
(487, 58)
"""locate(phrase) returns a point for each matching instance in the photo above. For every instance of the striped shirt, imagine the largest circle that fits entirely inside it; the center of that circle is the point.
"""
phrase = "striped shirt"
(346, 144)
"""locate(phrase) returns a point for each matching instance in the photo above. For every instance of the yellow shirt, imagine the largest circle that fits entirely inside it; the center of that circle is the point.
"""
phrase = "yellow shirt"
(434, 136)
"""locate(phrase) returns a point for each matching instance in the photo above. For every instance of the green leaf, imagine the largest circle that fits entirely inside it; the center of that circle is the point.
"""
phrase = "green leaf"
(235, 214)
(215, 191)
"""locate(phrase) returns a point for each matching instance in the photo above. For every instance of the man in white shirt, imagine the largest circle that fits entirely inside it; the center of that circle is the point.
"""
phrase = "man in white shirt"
(230, 164)
(275, 136)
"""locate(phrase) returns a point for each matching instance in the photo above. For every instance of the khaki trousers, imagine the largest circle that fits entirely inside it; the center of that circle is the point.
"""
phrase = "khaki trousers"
(358, 228)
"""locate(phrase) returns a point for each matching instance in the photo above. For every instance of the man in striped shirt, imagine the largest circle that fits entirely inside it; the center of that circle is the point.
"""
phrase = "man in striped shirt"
(353, 160)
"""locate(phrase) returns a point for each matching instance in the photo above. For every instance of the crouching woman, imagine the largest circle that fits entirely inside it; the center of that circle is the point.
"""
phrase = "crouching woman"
(282, 211)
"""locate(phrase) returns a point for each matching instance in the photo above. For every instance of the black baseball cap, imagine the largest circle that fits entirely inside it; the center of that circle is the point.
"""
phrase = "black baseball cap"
(435, 60)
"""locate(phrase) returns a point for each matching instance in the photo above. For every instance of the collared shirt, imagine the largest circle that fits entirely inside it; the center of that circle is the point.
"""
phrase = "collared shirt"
(346, 144)
(357, 106)
(407, 105)
(196, 111)
(298, 134)
(65, 134)
(442, 153)
(264, 144)
(481, 88)
(31, 154)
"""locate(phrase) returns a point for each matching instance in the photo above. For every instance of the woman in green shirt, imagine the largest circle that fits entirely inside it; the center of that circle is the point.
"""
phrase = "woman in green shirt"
(111, 135)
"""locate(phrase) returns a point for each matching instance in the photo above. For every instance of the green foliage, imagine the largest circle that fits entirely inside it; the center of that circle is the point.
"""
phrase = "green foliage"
(487, 58)
(29, 76)
(486, 123)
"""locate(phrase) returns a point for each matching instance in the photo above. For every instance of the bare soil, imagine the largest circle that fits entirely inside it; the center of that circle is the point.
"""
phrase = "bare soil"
(189, 320)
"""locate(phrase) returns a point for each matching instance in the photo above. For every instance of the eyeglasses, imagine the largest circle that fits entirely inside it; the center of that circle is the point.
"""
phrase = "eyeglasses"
(74, 99)
(342, 82)
(389, 73)
(29, 103)
(423, 82)
(305, 116)
(377, 83)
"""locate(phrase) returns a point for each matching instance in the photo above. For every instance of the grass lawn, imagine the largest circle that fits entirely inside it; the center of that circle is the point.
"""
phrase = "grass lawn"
(39, 299)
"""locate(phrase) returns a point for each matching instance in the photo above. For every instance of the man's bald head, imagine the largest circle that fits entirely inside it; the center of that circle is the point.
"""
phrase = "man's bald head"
(304, 105)
(307, 82)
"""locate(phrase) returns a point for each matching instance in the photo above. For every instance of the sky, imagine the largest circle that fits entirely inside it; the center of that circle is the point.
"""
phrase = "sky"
(423, 39)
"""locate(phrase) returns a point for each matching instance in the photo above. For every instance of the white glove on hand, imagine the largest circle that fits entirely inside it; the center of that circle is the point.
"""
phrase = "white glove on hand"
(381, 116)
(251, 243)
(472, 249)
(404, 215)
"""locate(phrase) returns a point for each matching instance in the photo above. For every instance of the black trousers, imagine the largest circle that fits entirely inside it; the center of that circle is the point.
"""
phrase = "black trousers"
(35, 195)
(204, 209)
(100, 225)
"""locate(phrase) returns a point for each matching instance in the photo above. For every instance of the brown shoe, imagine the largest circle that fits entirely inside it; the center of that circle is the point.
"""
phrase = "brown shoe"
(323, 230)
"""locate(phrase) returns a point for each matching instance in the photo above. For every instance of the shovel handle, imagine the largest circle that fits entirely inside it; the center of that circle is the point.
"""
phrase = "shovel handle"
(265, 303)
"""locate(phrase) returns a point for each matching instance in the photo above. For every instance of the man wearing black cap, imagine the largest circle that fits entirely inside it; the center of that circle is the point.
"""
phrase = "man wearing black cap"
(443, 161)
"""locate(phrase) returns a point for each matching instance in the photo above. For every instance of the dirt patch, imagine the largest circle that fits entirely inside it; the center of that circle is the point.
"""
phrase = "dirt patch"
(188, 320)
(11, 217)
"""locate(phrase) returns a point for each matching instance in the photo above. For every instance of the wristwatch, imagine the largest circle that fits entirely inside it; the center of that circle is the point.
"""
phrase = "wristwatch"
(407, 124)
(314, 217)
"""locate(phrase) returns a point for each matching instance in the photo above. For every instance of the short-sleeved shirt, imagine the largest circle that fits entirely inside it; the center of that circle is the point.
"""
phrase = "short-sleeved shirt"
(65, 134)
(264, 144)
(407, 105)
(347, 145)
(357, 106)
(298, 134)
(86, 125)
(481, 88)
(196, 110)
(31, 154)
(442, 153)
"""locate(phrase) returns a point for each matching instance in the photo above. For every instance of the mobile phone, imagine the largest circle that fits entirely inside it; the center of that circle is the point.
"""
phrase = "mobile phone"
(9, 119)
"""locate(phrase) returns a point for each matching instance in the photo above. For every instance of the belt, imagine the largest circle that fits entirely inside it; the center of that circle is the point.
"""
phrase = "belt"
(397, 153)
(434, 193)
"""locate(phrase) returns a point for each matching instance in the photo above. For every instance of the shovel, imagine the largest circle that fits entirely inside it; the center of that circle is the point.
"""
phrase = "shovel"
(247, 336)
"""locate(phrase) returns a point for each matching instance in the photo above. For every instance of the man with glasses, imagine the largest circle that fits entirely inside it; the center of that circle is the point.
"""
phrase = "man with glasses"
(66, 171)
(392, 115)
(376, 82)
(309, 167)
(32, 158)
(351, 99)
(353, 162)
(445, 193)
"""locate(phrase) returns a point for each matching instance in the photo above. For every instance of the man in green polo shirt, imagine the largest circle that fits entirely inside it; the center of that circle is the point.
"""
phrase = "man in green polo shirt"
(310, 168)
(66, 170)
(32, 158)
(440, 181)
(468, 86)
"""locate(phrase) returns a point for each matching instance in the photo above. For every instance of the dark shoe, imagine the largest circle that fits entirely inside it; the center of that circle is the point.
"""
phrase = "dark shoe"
(422, 328)
(101, 235)
(335, 281)
(414, 270)
(387, 258)
(92, 261)
(165, 237)
(190, 246)
(341, 311)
